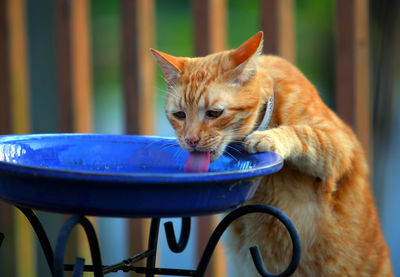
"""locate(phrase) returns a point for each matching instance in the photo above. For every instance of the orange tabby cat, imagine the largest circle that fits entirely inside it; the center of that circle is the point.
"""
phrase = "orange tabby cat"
(323, 186)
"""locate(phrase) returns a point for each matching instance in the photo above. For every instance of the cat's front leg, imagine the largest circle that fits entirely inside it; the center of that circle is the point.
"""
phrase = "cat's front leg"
(291, 143)
(320, 152)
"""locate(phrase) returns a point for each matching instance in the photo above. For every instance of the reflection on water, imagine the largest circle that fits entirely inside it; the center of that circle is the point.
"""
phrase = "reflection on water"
(11, 153)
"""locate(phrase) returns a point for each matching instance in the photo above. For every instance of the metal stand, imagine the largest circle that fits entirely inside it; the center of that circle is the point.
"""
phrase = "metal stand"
(57, 267)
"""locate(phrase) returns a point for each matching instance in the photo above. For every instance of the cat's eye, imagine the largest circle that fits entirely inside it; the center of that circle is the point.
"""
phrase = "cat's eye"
(214, 113)
(180, 115)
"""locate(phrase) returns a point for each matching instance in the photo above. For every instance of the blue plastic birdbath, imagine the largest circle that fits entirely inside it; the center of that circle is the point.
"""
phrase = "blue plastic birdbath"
(123, 176)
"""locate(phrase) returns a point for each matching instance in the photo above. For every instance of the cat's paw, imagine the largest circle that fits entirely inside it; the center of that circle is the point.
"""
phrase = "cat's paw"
(262, 141)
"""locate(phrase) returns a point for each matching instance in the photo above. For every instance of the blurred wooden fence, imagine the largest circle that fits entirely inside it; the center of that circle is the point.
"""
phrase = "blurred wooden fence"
(74, 93)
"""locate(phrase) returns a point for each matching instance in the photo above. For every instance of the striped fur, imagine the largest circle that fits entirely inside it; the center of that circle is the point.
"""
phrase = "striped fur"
(323, 186)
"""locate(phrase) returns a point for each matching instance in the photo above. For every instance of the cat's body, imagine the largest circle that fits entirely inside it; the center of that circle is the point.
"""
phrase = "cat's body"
(323, 186)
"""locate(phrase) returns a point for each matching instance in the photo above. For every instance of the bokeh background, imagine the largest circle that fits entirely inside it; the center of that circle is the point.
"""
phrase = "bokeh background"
(315, 50)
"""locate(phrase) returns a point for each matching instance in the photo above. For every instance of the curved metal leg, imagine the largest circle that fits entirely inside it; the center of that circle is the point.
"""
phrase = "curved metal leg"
(42, 236)
(178, 247)
(152, 245)
(223, 225)
(56, 260)
(62, 242)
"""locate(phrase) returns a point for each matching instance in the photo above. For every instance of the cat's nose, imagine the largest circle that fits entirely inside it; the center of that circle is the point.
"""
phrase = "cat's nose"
(192, 141)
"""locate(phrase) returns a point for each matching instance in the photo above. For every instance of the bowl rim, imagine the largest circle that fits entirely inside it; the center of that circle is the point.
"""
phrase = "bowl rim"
(131, 177)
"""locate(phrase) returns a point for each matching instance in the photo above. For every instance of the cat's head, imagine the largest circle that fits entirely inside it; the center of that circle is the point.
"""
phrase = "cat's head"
(213, 100)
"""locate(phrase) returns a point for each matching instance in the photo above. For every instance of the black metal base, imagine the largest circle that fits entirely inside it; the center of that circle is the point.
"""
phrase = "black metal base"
(57, 267)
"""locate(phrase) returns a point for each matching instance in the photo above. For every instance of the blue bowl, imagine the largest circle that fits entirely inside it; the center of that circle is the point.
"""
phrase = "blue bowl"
(123, 176)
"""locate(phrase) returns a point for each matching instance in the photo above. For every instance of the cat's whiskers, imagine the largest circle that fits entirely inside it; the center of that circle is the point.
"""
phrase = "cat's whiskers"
(171, 84)
(177, 155)
(166, 146)
(174, 91)
(229, 154)
(170, 87)
(239, 129)
(151, 144)
(233, 148)
(167, 93)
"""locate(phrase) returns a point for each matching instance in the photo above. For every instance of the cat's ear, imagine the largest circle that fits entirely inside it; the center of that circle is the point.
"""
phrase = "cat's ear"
(243, 58)
(170, 65)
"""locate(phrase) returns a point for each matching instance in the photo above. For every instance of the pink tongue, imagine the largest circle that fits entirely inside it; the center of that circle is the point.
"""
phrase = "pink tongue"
(197, 162)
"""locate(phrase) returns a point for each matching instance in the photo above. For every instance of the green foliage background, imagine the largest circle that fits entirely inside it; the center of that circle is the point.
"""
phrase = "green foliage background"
(174, 35)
